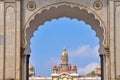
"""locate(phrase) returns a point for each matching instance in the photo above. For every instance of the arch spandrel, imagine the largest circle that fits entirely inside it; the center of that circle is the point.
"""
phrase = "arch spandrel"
(64, 10)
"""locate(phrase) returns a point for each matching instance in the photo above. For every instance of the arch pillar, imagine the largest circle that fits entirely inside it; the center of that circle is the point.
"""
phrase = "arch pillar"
(102, 60)
(107, 61)
(26, 67)
(22, 62)
(65, 10)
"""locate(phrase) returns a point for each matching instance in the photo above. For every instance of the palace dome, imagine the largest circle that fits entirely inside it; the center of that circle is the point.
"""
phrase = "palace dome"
(64, 54)
(74, 67)
(54, 66)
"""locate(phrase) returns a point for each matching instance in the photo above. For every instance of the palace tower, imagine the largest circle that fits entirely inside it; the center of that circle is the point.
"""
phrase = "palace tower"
(64, 71)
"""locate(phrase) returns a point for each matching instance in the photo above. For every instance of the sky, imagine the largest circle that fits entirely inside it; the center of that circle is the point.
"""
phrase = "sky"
(53, 36)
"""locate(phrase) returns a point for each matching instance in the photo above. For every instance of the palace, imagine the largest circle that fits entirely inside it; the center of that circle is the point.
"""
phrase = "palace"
(64, 71)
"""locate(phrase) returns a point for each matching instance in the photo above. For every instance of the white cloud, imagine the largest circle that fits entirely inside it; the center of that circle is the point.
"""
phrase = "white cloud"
(87, 69)
(85, 50)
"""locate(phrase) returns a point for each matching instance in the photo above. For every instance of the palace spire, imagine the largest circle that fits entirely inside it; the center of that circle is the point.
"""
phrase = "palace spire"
(64, 58)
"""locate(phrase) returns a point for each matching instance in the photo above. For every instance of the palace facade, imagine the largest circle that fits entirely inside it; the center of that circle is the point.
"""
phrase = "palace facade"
(64, 71)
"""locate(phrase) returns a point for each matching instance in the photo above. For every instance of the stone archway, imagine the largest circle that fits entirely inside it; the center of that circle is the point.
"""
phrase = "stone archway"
(18, 16)
(65, 10)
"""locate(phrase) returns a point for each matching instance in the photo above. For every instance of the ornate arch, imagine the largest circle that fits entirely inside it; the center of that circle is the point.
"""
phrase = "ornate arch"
(70, 10)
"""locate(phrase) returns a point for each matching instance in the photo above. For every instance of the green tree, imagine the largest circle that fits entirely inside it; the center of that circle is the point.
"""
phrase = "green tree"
(92, 73)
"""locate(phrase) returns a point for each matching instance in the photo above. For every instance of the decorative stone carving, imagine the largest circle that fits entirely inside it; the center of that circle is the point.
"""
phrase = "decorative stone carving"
(97, 5)
(31, 6)
(117, 4)
(60, 10)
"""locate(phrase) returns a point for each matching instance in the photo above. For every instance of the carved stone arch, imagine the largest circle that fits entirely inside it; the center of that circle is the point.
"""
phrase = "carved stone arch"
(56, 11)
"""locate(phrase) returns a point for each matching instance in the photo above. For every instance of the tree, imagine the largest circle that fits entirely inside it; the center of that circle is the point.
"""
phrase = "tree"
(92, 73)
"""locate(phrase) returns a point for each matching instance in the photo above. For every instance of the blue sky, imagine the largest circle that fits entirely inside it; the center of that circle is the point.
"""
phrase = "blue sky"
(49, 40)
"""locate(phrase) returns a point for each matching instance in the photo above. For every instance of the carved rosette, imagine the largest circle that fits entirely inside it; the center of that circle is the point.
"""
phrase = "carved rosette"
(31, 5)
(97, 5)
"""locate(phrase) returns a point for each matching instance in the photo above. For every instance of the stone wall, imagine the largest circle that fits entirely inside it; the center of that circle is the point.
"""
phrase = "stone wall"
(117, 38)
(9, 40)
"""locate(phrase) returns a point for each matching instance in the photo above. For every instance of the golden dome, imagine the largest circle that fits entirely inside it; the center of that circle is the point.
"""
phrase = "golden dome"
(64, 54)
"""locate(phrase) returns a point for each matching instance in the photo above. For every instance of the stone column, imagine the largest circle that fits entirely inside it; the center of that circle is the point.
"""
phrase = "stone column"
(107, 59)
(22, 64)
(102, 66)
(26, 67)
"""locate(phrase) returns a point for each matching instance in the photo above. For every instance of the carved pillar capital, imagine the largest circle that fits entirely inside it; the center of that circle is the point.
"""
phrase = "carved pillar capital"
(107, 49)
(22, 49)
(101, 55)
(107, 52)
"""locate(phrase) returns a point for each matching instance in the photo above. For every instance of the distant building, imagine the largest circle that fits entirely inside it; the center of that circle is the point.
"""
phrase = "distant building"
(64, 71)
(98, 70)
(40, 78)
(31, 71)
